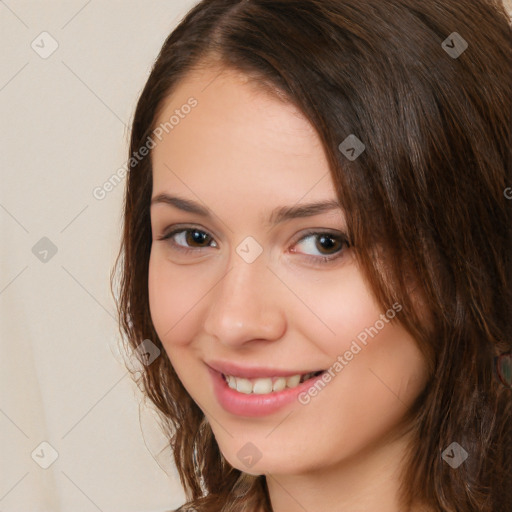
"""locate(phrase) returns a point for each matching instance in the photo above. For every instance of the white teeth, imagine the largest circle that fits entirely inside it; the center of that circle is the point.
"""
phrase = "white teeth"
(265, 385)
(293, 381)
(262, 386)
(231, 381)
(279, 384)
(243, 385)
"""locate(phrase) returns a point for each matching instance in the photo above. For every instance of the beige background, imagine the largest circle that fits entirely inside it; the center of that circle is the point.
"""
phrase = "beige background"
(64, 128)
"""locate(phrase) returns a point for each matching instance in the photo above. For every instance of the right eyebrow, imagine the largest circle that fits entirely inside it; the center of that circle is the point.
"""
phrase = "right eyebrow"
(182, 204)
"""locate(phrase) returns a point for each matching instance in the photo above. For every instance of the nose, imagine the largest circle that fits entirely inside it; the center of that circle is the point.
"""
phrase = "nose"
(246, 305)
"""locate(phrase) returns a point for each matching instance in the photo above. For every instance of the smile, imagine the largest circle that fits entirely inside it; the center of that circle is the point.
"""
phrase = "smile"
(263, 386)
(261, 396)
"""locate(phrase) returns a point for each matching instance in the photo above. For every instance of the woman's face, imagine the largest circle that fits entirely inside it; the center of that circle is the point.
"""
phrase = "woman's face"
(246, 288)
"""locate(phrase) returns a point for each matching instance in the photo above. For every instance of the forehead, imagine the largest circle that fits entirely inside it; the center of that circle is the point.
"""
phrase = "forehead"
(239, 136)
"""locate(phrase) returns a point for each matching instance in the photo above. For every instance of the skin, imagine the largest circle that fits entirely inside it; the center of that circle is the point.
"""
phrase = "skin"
(242, 152)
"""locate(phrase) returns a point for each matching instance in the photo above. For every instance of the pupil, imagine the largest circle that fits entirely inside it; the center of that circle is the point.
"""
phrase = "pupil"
(328, 242)
(197, 237)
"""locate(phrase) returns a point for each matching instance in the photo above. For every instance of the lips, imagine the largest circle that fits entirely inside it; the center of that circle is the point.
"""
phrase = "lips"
(256, 404)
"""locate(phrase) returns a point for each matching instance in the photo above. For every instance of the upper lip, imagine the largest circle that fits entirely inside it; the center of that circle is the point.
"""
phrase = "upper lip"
(253, 372)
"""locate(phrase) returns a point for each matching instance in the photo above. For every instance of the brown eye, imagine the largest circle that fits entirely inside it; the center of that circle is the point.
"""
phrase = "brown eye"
(322, 247)
(329, 243)
(188, 239)
(194, 236)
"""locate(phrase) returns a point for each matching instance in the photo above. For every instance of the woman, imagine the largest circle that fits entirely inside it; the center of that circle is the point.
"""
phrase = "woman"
(316, 250)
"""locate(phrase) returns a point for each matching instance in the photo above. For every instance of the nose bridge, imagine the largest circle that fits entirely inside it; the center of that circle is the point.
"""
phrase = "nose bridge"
(243, 306)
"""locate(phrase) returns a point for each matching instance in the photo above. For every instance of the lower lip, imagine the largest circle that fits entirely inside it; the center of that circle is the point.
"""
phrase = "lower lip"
(255, 405)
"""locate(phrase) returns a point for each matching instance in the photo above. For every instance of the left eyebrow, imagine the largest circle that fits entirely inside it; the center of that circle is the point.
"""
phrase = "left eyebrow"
(278, 215)
(284, 213)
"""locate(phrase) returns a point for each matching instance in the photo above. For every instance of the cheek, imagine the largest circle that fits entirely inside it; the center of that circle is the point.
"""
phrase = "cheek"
(161, 298)
(340, 309)
(172, 291)
(379, 371)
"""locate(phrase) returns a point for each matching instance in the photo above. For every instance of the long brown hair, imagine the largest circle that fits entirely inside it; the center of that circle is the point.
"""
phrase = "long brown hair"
(427, 194)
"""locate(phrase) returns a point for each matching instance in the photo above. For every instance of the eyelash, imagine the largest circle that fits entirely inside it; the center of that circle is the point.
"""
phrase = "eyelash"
(321, 260)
